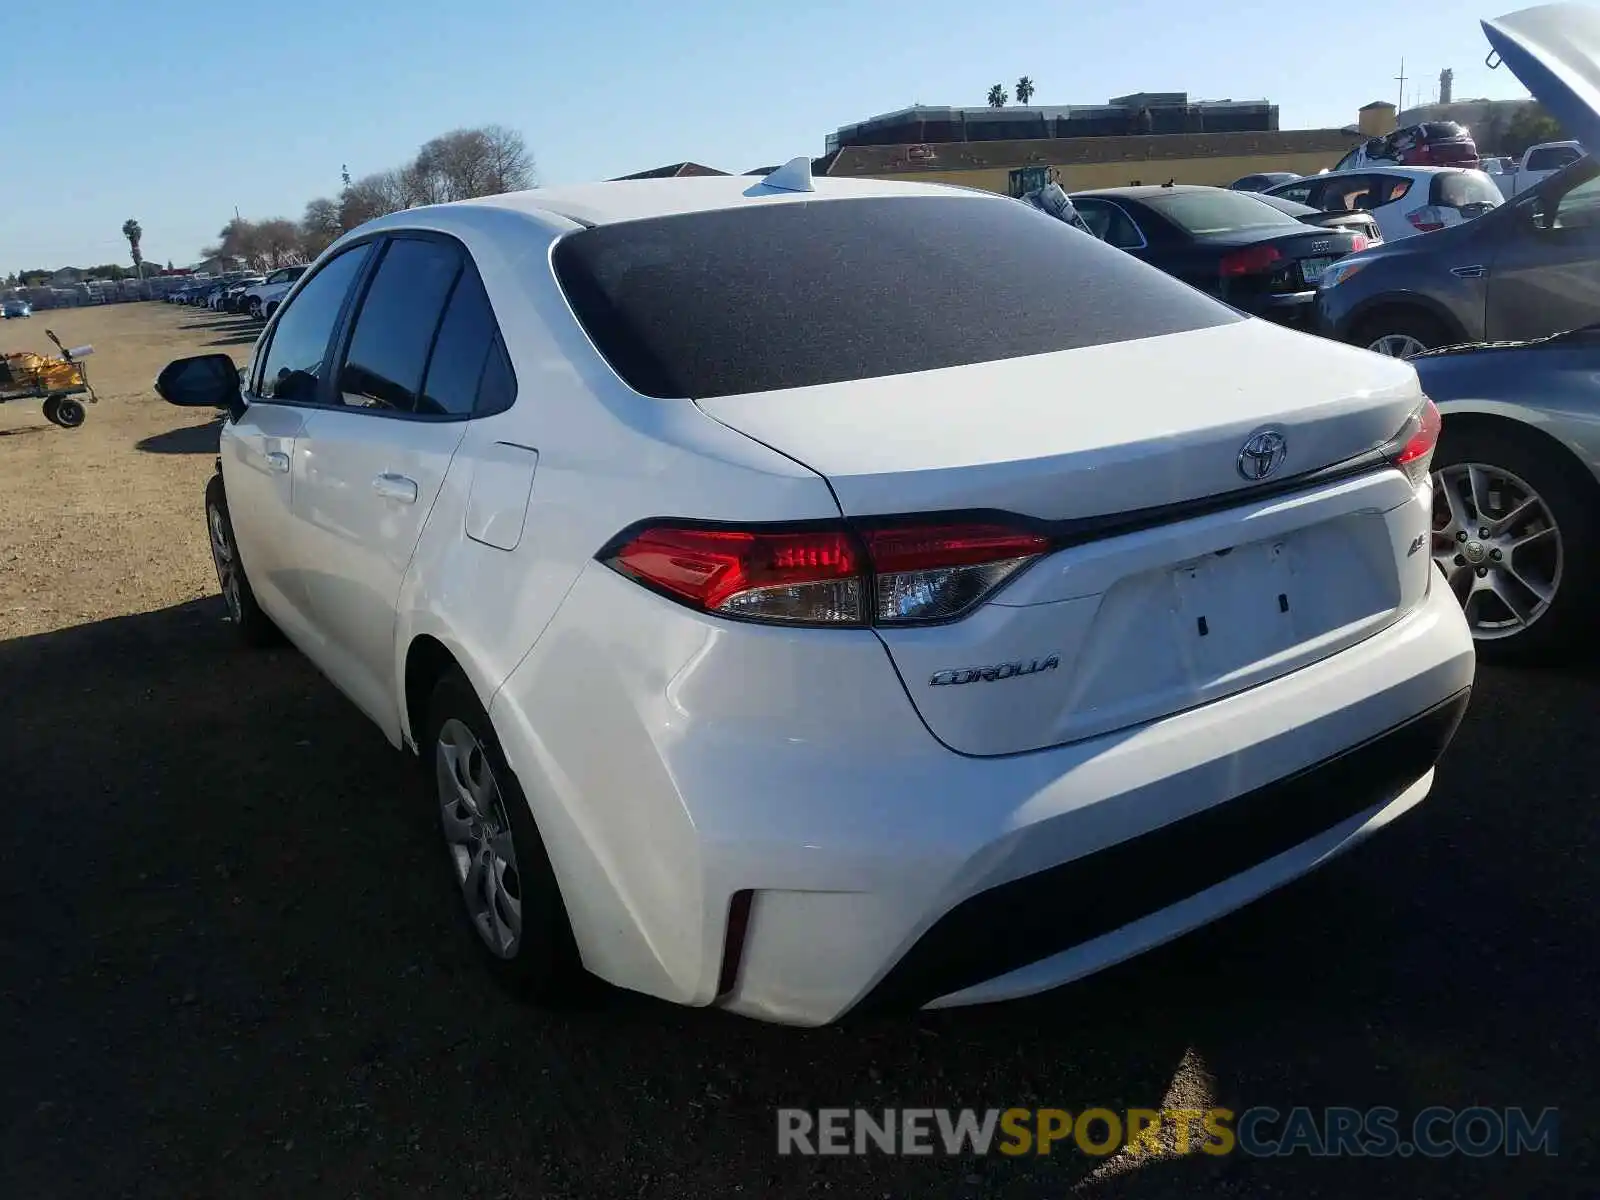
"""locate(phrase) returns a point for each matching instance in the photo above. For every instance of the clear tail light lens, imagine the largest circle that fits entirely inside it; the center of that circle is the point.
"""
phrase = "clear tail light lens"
(1412, 448)
(934, 573)
(905, 574)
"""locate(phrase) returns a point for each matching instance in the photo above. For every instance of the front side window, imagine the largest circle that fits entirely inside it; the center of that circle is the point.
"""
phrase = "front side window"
(1300, 192)
(395, 326)
(1573, 206)
(1551, 158)
(777, 296)
(294, 365)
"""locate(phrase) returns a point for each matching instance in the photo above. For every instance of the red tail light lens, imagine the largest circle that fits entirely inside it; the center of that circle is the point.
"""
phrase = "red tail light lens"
(1426, 219)
(1358, 242)
(1255, 260)
(1412, 448)
(891, 575)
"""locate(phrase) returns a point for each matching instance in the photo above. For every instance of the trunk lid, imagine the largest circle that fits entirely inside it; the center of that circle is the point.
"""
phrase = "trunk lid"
(1147, 611)
(1554, 49)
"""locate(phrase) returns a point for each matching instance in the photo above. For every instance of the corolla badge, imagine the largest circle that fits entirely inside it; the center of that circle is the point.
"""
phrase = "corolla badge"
(1262, 455)
(993, 674)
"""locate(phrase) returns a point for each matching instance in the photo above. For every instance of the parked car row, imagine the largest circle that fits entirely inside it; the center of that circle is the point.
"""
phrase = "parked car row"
(254, 295)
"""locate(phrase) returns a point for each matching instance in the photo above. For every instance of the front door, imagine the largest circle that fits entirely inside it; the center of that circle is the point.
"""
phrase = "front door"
(258, 449)
(1545, 277)
(368, 466)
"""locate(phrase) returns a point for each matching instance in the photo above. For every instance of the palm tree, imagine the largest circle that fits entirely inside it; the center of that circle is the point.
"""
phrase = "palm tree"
(1024, 89)
(131, 231)
(997, 96)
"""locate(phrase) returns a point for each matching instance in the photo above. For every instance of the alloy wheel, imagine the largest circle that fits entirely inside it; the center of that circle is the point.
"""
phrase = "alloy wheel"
(478, 836)
(1498, 545)
(1396, 345)
(227, 562)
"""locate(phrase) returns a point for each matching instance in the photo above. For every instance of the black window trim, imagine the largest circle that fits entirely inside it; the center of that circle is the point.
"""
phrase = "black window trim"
(344, 329)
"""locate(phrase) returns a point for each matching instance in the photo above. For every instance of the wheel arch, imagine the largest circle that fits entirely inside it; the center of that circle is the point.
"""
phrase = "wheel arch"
(1414, 301)
(1510, 420)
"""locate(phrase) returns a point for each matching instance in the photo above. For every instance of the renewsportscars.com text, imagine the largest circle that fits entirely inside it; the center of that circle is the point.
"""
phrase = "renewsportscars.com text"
(1260, 1132)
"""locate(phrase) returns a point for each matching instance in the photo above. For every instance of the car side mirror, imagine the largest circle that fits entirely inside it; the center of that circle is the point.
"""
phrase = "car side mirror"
(204, 381)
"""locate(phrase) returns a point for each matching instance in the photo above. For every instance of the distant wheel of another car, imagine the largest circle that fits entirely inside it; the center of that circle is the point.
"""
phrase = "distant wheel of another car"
(1400, 333)
(1517, 535)
(253, 307)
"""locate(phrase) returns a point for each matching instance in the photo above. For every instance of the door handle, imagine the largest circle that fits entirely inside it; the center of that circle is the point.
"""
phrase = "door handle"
(277, 461)
(396, 487)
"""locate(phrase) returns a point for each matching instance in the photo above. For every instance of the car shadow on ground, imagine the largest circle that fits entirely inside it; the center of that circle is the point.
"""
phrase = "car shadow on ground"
(186, 439)
(231, 940)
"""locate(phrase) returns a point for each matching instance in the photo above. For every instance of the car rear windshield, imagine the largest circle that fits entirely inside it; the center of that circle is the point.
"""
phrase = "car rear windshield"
(1440, 130)
(774, 296)
(1461, 189)
(1215, 211)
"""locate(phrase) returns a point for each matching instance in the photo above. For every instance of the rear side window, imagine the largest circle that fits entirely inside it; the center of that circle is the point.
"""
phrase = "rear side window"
(775, 296)
(1551, 158)
(1110, 223)
(394, 330)
(467, 338)
(1215, 211)
(1464, 189)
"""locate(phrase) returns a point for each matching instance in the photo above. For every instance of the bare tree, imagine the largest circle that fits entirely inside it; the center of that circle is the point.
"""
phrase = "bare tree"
(278, 244)
(511, 167)
(373, 196)
(319, 227)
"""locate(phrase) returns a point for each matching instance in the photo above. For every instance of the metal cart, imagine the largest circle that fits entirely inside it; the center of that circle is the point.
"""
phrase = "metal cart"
(56, 381)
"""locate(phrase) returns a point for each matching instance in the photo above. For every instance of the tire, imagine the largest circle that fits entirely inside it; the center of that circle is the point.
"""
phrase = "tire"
(510, 900)
(255, 628)
(1395, 326)
(272, 307)
(1542, 596)
(254, 307)
(51, 404)
(69, 413)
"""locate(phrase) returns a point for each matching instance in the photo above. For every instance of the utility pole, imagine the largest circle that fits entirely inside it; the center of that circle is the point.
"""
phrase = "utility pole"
(1401, 80)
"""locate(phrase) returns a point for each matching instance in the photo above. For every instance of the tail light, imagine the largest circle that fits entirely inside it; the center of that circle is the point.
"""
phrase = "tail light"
(887, 575)
(1426, 219)
(1253, 260)
(1412, 448)
(1358, 242)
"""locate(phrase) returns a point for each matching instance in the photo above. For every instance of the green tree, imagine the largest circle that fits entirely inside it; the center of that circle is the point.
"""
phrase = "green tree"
(1024, 90)
(998, 96)
(1528, 127)
(131, 231)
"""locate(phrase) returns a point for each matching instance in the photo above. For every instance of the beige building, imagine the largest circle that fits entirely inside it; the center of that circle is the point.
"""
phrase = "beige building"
(1095, 162)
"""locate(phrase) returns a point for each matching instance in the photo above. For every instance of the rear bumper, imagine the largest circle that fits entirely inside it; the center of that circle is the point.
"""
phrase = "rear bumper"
(1295, 309)
(879, 870)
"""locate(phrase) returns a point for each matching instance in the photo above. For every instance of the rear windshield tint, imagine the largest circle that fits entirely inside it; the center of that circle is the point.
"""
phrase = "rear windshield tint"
(1463, 189)
(1215, 211)
(1442, 129)
(775, 296)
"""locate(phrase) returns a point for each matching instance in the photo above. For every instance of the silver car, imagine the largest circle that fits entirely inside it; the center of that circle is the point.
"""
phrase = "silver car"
(1516, 526)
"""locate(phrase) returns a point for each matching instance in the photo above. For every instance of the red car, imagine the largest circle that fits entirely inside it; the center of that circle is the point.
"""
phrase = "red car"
(1430, 144)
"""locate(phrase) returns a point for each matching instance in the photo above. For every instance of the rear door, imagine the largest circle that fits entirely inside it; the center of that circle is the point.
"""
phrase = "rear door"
(257, 450)
(1545, 277)
(370, 461)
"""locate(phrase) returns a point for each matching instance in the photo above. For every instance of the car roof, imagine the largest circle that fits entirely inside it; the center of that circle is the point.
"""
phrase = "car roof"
(639, 199)
(1143, 191)
(1388, 168)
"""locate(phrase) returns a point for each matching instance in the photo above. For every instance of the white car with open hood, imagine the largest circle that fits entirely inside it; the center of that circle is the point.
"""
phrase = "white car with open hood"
(810, 597)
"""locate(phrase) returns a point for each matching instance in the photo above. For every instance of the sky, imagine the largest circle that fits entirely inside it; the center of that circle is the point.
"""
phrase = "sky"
(176, 112)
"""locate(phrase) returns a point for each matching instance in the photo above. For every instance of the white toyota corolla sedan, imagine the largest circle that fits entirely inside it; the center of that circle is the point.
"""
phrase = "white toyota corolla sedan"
(810, 597)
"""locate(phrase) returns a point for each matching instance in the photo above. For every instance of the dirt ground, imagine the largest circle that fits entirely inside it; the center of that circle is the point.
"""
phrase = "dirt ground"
(230, 963)
(100, 521)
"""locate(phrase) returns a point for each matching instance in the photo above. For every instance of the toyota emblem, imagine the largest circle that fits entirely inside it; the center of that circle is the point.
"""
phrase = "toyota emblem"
(1262, 455)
